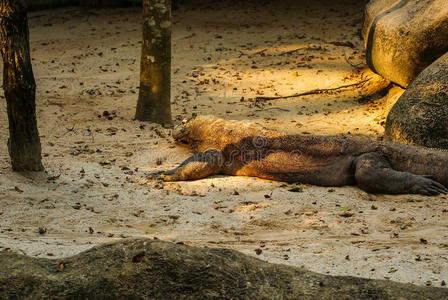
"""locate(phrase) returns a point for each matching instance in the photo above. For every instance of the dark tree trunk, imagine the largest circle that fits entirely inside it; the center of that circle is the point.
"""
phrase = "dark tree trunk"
(155, 67)
(19, 85)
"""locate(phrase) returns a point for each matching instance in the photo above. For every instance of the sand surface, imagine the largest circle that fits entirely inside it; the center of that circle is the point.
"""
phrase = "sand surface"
(86, 64)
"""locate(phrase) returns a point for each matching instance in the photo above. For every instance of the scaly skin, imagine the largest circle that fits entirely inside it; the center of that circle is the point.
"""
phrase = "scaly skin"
(249, 149)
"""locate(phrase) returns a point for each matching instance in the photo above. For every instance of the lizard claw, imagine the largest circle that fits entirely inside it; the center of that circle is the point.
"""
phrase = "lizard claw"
(425, 185)
(167, 177)
(161, 176)
(154, 175)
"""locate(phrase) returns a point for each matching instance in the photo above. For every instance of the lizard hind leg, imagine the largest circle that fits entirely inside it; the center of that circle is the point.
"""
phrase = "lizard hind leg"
(374, 174)
(196, 167)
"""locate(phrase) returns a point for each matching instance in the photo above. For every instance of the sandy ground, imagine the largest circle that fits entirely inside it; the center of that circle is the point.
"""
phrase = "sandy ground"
(86, 64)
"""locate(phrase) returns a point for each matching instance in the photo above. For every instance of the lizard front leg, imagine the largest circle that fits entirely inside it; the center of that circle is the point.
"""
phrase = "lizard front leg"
(374, 174)
(195, 167)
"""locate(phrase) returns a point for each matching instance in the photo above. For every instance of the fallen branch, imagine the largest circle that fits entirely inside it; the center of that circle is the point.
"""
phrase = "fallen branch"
(261, 52)
(282, 109)
(313, 92)
(68, 130)
(351, 64)
(292, 51)
(311, 48)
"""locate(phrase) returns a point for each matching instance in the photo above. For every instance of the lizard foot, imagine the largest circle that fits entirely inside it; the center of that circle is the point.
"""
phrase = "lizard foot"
(161, 176)
(425, 185)
(167, 177)
(154, 175)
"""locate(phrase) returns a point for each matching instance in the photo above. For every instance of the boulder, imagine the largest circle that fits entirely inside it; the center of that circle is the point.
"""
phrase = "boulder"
(402, 37)
(420, 115)
(148, 269)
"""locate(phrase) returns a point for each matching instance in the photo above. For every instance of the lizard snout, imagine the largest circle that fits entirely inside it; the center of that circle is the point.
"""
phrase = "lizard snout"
(180, 131)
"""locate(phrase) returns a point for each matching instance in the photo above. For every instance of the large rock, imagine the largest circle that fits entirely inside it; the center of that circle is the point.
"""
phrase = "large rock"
(402, 37)
(420, 115)
(147, 269)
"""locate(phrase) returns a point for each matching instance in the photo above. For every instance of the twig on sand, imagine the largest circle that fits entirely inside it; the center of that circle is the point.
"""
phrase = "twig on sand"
(292, 51)
(261, 52)
(310, 48)
(353, 65)
(68, 130)
(282, 109)
(313, 92)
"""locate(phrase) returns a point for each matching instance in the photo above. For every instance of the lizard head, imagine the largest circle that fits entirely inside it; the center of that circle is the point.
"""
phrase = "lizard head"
(181, 131)
(190, 130)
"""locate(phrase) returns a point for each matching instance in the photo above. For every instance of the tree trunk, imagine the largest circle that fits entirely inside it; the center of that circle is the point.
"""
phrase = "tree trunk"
(155, 67)
(19, 85)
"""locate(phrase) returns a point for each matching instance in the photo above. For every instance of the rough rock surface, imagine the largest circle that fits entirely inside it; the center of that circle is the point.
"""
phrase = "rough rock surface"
(147, 269)
(403, 37)
(420, 116)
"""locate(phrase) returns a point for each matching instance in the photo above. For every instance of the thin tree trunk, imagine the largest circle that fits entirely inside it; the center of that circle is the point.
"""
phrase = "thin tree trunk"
(155, 67)
(19, 85)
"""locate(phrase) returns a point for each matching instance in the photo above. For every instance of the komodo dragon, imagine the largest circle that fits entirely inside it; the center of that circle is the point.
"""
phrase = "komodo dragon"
(249, 149)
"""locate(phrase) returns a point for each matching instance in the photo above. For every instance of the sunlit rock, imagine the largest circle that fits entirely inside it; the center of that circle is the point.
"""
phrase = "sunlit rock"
(420, 116)
(403, 37)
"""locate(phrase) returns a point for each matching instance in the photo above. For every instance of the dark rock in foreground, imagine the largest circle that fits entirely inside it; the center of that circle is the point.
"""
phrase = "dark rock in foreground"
(403, 37)
(420, 116)
(147, 269)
